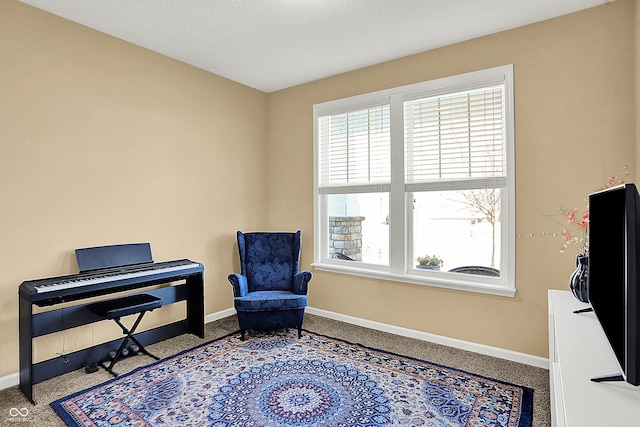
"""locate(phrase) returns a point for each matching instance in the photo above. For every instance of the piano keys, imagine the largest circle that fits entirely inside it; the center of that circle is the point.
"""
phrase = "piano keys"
(54, 290)
(103, 271)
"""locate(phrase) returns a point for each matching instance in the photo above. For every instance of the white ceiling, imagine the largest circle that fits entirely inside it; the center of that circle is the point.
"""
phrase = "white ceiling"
(275, 44)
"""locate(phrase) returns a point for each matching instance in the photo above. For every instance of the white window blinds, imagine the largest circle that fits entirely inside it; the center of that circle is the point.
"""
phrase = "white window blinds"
(354, 148)
(456, 137)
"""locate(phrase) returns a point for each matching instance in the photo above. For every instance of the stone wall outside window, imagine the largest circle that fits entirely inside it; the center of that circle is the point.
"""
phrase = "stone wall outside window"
(345, 237)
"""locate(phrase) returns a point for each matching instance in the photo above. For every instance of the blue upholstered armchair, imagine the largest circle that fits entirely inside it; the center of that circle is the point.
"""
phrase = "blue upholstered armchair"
(271, 291)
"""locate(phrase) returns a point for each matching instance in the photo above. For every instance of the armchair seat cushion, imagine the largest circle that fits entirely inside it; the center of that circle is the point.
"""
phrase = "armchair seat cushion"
(270, 300)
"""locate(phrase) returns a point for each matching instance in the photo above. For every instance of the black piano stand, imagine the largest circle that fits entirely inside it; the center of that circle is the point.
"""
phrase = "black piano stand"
(114, 309)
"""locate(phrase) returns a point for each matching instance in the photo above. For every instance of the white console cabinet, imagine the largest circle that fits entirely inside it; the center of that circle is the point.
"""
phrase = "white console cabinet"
(578, 351)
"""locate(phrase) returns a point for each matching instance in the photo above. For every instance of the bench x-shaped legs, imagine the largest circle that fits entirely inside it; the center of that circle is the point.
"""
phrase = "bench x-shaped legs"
(129, 336)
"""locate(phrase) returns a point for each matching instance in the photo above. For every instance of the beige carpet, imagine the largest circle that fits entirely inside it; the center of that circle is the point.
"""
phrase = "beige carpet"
(42, 415)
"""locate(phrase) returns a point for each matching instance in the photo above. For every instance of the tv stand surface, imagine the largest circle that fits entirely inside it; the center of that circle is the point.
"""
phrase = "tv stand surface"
(578, 352)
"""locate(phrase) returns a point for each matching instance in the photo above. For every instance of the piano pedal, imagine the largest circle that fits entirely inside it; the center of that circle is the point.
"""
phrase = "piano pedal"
(112, 354)
(134, 349)
(91, 368)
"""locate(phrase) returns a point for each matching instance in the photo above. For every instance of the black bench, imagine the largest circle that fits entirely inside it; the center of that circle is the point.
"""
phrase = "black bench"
(116, 308)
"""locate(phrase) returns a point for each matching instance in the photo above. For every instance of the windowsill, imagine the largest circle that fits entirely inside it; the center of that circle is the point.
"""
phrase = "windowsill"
(467, 283)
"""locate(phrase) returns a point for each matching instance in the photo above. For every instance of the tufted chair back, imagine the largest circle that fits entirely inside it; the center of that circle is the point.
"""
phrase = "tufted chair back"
(269, 260)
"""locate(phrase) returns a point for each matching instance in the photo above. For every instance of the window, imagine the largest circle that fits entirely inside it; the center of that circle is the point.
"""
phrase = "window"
(416, 183)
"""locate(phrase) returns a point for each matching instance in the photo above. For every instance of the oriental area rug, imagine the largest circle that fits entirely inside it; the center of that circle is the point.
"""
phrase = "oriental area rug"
(277, 379)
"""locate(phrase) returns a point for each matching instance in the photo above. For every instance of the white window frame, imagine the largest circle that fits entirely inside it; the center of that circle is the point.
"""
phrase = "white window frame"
(401, 268)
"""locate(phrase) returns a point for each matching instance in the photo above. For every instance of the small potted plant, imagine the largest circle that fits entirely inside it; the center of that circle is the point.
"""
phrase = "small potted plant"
(430, 262)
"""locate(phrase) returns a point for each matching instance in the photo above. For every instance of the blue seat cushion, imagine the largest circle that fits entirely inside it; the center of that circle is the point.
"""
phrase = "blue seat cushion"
(270, 300)
(120, 307)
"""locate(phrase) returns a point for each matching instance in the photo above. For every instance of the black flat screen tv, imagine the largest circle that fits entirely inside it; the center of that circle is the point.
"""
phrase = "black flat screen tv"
(613, 280)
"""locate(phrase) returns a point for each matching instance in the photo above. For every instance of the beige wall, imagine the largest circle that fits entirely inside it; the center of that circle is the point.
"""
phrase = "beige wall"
(574, 126)
(103, 142)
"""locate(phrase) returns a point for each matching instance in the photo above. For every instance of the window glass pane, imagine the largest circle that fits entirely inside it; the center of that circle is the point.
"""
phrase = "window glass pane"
(462, 228)
(359, 227)
(455, 136)
(354, 147)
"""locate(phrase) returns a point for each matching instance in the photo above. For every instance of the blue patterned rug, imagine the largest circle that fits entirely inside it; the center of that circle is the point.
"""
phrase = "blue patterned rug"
(279, 380)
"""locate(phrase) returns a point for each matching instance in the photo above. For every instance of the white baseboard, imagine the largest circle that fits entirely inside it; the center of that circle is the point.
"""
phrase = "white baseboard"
(10, 380)
(514, 356)
(219, 315)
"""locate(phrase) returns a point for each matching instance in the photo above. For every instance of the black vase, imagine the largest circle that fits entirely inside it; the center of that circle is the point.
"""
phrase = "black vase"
(579, 282)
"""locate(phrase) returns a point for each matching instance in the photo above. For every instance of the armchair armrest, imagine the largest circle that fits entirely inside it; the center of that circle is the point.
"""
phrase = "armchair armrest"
(239, 284)
(301, 282)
